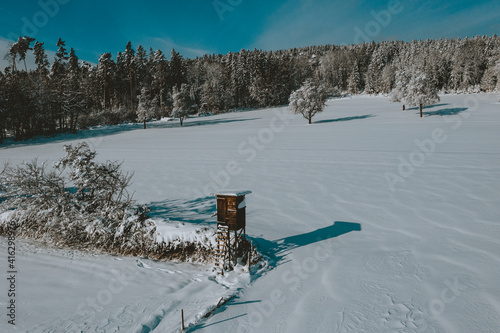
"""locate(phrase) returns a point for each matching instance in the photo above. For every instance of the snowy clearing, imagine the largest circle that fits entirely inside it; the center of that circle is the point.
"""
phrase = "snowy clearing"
(375, 220)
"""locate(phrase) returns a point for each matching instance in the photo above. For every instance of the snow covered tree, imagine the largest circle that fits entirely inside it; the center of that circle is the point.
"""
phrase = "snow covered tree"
(387, 79)
(212, 90)
(308, 99)
(420, 92)
(401, 88)
(490, 79)
(182, 102)
(176, 70)
(79, 202)
(74, 98)
(158, 62)
(144, 109)
(98, 185)
(130, 66)
(354, 81)
(140, 64)
(105, 69)
(58, 72)
(334, 70)
(497, 71)
(59, 65)
(3, 110)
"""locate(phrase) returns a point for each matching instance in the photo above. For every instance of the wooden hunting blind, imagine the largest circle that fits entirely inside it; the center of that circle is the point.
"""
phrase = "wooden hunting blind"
(231, 225)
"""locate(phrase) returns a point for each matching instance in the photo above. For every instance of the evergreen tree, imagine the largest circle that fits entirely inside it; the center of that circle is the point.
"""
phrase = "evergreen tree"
(3, 108)
(74, 98)
(41, 62)
(176, 70)
(140, 62)
(58, 72)
(24, 44)
(158, 63)
(105, 69)
(212, 89)
(131, 67)
(354, 82)
(12, 57)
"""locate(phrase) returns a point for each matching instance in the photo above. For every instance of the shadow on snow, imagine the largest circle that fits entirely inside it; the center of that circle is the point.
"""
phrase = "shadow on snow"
(277, 250)
(190, 122)
(95, 135)
(428, 106)
(444, 112)
(198, 211)
(218, 322)
(343, 119)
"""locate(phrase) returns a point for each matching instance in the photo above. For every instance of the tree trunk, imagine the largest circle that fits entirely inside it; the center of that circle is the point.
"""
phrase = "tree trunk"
(71, 118)
(14, 69)
(161, 86)
(310, 118)
(420, 110)
(105, 79)
(75, 123)
(181, 120)
(404, 107)
(144, 124)
(27, 75)
(131, 91)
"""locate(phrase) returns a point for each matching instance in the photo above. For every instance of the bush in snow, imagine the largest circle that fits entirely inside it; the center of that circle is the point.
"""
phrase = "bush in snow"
(73, 203)
(84, 204)
(308, 99)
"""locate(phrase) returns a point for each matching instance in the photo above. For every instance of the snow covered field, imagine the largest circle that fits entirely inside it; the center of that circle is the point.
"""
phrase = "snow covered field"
(375, 220)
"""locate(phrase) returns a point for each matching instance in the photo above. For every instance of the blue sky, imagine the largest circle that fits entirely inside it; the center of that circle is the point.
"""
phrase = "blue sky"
(195, 27)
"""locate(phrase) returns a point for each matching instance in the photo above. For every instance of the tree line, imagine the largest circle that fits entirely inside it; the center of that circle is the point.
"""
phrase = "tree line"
(140, 85)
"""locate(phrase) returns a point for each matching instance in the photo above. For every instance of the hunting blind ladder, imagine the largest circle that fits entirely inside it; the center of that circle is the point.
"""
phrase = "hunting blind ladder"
(231, 210)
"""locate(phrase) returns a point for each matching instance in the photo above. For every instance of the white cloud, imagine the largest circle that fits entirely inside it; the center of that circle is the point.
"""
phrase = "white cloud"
(304, 23)
(4, 48)
(167, 44)
(471, 19)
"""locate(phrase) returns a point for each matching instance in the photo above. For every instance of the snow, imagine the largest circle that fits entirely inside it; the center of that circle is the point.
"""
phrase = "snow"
(70, 291)
(165, 119)
(181, 232)
(232, 193)
(372, 219)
